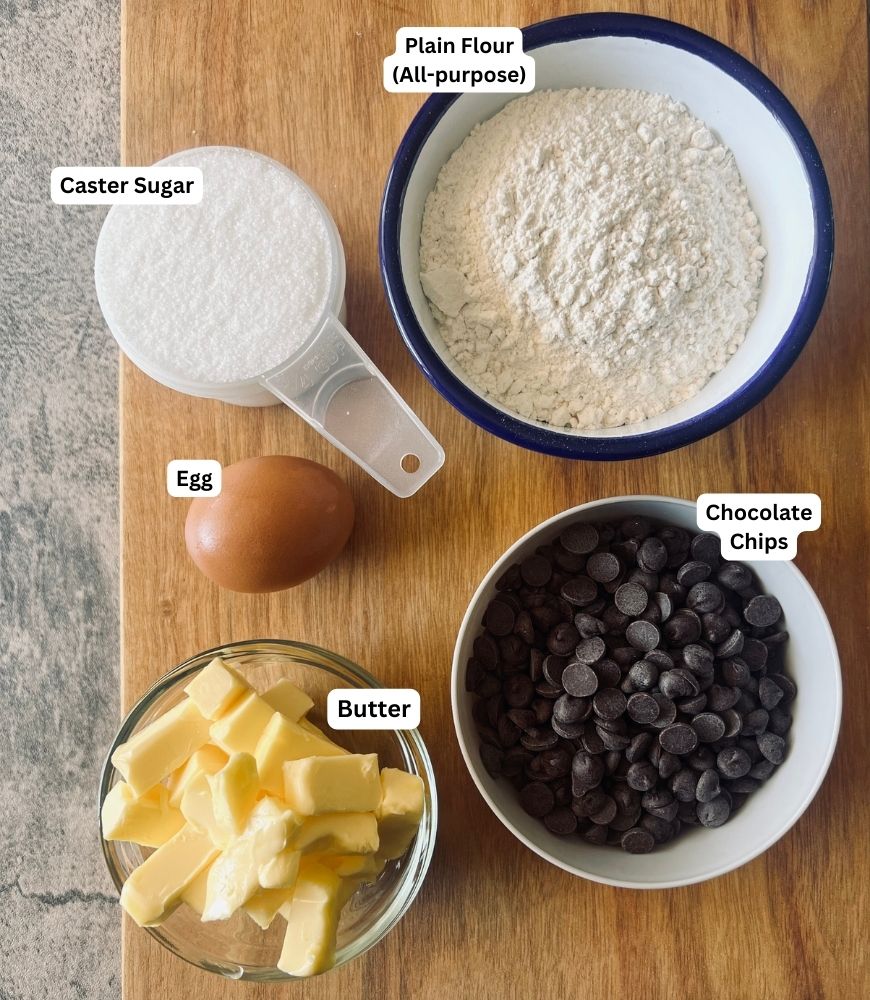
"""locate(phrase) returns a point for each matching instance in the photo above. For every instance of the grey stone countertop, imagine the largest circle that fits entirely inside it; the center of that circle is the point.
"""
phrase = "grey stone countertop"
(59, 918)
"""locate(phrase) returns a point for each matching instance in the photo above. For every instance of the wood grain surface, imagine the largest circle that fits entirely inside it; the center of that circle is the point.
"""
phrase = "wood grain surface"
(302, 83)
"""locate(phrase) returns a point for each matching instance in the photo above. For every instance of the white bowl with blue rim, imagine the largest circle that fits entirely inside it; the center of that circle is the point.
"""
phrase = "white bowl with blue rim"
(775, 155)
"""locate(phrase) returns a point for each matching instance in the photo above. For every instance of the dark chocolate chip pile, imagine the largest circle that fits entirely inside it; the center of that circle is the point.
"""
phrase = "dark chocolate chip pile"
(629, 681)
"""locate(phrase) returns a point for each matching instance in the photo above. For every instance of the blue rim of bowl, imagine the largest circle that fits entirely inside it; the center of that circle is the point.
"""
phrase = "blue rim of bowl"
(538, 438)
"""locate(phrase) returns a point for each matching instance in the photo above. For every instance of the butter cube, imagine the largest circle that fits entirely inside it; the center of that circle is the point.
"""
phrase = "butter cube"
(162, 746)
(283, 740)
(194, 894)
(234, 877)
(281, 871)
(147, 819)
(399, 812)
(233, 793)
(208, 759)
(338, 833)
(197, 808)
(312, 923)
(216, 688)
(346, 783)
(289, 700)
(365, 867)
(241, 728)
(309, 727)
(264, 905)
(153, 889)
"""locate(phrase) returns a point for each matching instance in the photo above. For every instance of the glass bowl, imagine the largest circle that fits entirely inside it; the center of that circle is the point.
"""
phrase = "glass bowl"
(237, 948)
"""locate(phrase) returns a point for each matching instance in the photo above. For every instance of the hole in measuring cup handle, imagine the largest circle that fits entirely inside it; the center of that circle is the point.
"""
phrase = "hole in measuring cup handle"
(337, 389)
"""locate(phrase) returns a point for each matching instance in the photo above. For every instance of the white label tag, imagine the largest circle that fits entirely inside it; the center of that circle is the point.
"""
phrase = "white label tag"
(126, 185)
(759, 527)
(376, 708)
(458, 60)
(193, 477)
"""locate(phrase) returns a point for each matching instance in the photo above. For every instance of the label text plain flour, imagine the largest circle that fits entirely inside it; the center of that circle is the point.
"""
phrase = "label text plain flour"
(592, 256)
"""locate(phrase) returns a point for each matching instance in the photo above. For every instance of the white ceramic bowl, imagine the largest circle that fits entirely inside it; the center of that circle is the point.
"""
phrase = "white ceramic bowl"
(698, 853)
(778, 162)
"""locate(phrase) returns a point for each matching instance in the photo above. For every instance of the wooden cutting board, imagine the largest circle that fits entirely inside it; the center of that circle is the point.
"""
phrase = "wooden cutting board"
(302, 83)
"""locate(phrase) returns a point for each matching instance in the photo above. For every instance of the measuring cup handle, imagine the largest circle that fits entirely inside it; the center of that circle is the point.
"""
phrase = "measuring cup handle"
(337, 389)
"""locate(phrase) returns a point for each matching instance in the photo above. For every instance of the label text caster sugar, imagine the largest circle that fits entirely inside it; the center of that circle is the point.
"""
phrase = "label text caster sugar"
(591, 256)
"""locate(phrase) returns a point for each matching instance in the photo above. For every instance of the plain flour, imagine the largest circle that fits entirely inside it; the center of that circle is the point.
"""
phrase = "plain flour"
(591, 255)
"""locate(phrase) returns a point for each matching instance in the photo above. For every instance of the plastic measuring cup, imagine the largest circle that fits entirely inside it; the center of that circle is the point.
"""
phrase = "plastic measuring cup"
(328, 380)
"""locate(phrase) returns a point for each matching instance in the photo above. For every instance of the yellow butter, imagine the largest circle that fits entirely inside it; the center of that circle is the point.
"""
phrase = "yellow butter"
(309, 727)
(198, 809)
(241, 728)
(399, 812)
(162, 746)
(216, 688)
(338, 833)
(283, 740)
(194, 894)
(234, 877)
(281, 871)
(154, 888)
(289, 700)
(207, 759)
(366, 867)
(346, 783)
(147, 819)
(264, 905)
(312, 923)
(233, 793)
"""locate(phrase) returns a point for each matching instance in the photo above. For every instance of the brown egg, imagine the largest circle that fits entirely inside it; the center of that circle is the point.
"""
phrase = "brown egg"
(277, 521)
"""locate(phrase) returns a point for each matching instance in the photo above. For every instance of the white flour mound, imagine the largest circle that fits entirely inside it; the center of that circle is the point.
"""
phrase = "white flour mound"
(591, 256)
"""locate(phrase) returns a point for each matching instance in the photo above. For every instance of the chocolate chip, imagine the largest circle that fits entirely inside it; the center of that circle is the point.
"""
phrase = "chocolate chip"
(603, 567)
(499, 618)
(606, 813)
(553, 668)
(609, 703)
(708, 786)
(734, 576)
(772, 746)
(705, 598)
(770, 694)
(537, 799)
(693, 572)
(642, 635)
(642, 776)
(518, 690)
(590, 650)
(563, 638)
(607, 672)
(579, 680)
(588, 625)
(631, 599)
(715, 812)
(580, 539)
(706, 547)
(763, 611)
(639, 745)
(561, 821)
(579, 590)
(732, 762)
(642, 708)
(586, 772)
(709, 727)
(491, 758)
(684, 784)
(637, 841)
(682, 628)
(643, 675)
(667, 711)
(754, 723)
(678, 739)
(652, 556)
